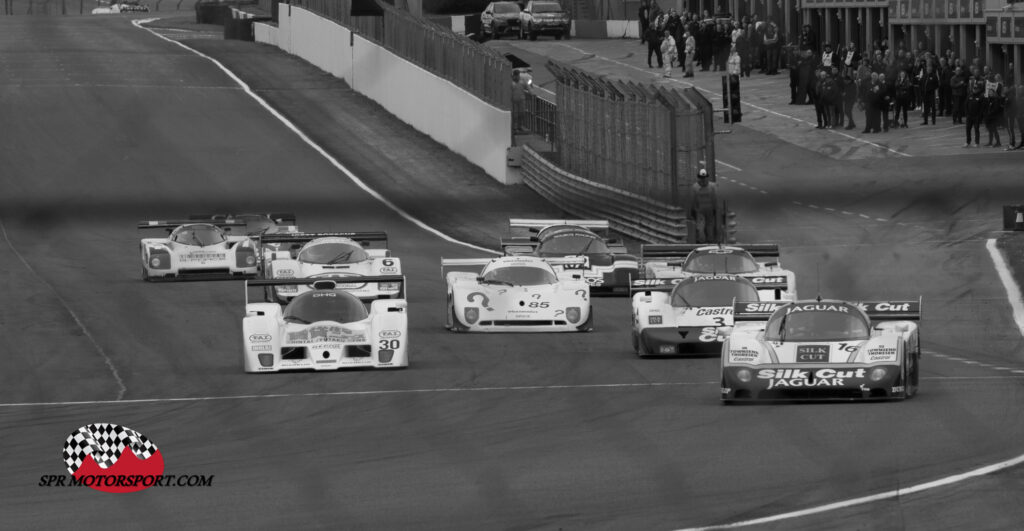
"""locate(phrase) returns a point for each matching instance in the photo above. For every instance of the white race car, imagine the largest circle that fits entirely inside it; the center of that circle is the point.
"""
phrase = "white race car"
(198, 251)
(822, 350)
(331, 255)
(758, 262)
(688, 315)
(325, 328)
(516, 294)
(255, 224)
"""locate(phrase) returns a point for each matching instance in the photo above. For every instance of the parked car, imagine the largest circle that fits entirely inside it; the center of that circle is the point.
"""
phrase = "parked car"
(543, 17)
(500, 18)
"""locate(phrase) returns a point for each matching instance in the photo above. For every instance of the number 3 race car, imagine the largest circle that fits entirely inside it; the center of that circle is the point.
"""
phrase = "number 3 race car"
(683, 260)
(325, 328)
(686, 315)
(822, 349)
(199, 251)
(607, 267)
(331, 255)
(516, 294)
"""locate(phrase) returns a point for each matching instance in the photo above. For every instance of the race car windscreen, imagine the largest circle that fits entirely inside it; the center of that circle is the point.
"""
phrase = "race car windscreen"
(322, 305)
(816, 326)
(520, 276)
(333, 253)
(200, 235)
(712, 293)
(572, 245)
(723, 263)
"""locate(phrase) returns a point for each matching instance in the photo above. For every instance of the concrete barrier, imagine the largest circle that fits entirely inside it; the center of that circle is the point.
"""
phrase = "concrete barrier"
(453, 117)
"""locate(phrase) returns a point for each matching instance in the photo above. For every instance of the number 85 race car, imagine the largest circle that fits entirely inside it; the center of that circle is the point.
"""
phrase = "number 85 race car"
(325, 328)
(516, 294)
(822, 349)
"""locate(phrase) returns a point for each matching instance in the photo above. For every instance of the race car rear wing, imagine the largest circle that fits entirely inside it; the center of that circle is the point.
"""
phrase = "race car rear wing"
(518, 245)
(678, 251)
(172, 224)
(281, 218)
(447, 263)
(366, 239)
(892, 310)
(536, 225)
(755, 311)
(323, 283)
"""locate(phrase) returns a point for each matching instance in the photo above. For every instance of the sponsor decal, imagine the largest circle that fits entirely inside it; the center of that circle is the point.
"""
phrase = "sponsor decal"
(117, 459)
(325, 334)
(743, 355)
(767, 280)
(792, 378)
(817, 308)
(390, 333)
(761, 307)
(484, 300)
(714, 311)
(203, 257)
(715, 277)
(885, 307)
(325, 294)
(881, 354)
(720, 251)
(898, 389)
(284, 273)
(657, 282)
(261, 348)
(709, 334)
(595, 281)
(812, 353)
(260, 338)
(386, 270)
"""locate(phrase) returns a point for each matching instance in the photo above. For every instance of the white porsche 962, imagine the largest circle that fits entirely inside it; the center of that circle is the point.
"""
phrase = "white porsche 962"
(199, 251)
(325, 328)
(516, 294)
(331, 255)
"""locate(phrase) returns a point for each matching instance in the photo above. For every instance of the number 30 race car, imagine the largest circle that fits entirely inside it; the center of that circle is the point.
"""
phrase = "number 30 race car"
(331, 255)
(324, 329)
(686, 315)
(199, 251)
(821, 350)
(606, 266)
(516, 294)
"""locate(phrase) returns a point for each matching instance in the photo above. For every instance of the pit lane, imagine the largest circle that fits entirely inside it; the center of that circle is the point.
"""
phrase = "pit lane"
(541, 431)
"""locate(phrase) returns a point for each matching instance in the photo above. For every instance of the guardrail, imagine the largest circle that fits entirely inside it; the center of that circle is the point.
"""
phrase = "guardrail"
(628, 213)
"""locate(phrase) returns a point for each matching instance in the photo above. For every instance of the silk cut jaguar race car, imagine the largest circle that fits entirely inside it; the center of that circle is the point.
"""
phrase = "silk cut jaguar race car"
(606, 266)
(822, 350)
(331, 255)
(687, 315)
(757, 262)
(325, 328)
(198, 251)
(516, 294)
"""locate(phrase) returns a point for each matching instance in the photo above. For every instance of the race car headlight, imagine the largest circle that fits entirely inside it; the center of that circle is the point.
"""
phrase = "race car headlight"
(743, 375)
(250, 260)
(388, 286)
(877, 374)
(654, 319)
(573, 314)
(155, 261)
(266, 360)
(472, 314)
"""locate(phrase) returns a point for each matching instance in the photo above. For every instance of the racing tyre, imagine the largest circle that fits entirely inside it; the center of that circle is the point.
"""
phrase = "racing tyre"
(587, 325)
(636, 342)
(453, 323)
(145, 274)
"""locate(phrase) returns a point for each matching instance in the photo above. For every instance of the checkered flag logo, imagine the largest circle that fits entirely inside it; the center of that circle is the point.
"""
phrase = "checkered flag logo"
(105, 443)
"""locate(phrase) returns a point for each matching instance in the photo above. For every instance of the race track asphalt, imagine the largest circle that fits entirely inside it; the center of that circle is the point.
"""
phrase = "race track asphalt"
(106, 124)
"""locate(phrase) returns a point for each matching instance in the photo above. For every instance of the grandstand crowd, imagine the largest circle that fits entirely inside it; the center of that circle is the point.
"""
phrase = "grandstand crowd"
(885, 88)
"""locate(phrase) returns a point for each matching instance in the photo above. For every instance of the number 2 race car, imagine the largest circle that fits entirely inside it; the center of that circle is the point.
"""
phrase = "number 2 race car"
(198, 251)
(607, 267)
(325, 328)
(822, 349)
(686, 315)
(331, 255)
(516, 294)
(683, 260)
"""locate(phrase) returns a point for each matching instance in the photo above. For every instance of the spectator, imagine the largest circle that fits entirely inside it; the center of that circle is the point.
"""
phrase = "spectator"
(807, 65)
(689, 51)
(849, 97)
(644, 17)
(827, 57)
(654, 45)
(849, 57)
(669, 52)
(722, 46)
(993, 109)
(958, 94)
(734, 66)
(885, 101)
(1010, 116)
(1019, 104)
(817, 93)
(742, 45)
(836, 97)
(974, 110)
(870, 98)
(929, 87)
(772, 45)
(945, 72)
(793, 60)
(703, 206)
(521, 83)
(901, 92)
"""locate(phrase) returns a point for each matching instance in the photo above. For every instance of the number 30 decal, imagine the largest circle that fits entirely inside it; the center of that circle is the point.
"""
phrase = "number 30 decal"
(389, 344)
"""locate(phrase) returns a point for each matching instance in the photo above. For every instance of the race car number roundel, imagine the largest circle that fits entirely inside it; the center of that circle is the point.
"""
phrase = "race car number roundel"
(107, 457)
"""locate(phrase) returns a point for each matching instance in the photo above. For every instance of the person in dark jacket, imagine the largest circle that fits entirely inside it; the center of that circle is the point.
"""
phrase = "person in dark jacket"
(793, 58)
(872, 104)
(653, 38)
(850, 90)
(974, 110)
(1010, 116)
(945, 72)
(929, 88)
(993, 104)
(958, 93)
(807, 65)
(644, 16)
(885, 101)
(901, 97)
(819, 98)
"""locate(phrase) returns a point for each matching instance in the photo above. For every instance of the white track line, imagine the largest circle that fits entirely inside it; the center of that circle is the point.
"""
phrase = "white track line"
(305, 138)
(122, 389)
(1014, 296)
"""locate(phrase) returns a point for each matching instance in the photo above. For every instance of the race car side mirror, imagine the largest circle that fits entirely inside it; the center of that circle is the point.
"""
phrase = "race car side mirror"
(724, 331)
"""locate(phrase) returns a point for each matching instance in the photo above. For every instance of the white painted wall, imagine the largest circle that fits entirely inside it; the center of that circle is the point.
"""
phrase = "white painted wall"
(264, 32)
(448, 114)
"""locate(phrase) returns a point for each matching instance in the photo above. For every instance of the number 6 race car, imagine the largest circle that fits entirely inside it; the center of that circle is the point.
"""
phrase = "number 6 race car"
(607, 267)
(198, 251)
(822, 349)
(331, 255)
(686, 315)
(325, 328)
(516, 294)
